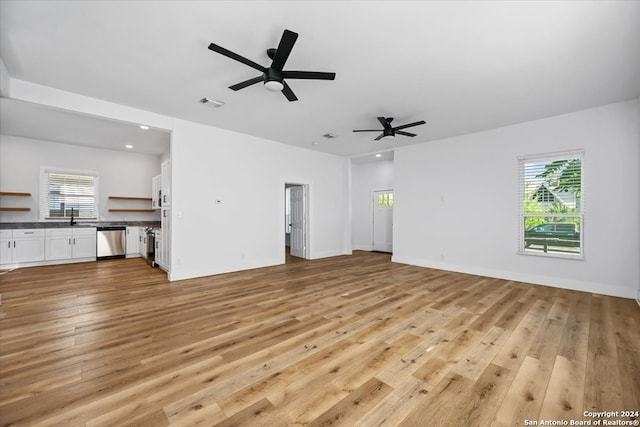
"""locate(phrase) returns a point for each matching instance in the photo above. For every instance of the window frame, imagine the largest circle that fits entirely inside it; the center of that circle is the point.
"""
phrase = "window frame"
(45, 211)
(545, 158)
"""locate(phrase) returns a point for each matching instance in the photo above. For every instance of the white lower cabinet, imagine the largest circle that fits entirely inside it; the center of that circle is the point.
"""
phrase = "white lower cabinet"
(142, 241)
(70, 243)
(21, 246)
(133, 241)
(163, 248)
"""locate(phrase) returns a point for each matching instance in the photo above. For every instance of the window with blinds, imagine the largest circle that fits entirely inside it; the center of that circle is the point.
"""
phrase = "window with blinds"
(551, 199)
(66, 192)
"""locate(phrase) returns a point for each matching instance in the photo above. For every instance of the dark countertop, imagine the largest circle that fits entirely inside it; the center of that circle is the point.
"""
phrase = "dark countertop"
(80, 224)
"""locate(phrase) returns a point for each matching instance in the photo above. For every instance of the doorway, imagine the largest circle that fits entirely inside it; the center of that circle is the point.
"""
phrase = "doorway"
(382, 239)
(296, 222)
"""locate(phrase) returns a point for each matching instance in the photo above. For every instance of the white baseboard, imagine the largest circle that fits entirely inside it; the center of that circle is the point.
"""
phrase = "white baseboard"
(554, 282)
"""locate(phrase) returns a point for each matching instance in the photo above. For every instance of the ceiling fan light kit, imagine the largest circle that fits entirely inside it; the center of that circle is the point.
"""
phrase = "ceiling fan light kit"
(273, 79)
(389, 132)
(274, 76)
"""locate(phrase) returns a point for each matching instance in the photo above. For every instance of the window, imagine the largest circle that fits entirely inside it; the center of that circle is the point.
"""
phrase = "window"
(385, 199)
(65, 193)
(551, 193)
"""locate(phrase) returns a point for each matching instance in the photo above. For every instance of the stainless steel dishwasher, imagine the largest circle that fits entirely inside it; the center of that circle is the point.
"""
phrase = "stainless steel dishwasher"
(111, 242)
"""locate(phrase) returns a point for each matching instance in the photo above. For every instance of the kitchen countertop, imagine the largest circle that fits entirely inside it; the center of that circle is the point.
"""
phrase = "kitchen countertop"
(80, 224)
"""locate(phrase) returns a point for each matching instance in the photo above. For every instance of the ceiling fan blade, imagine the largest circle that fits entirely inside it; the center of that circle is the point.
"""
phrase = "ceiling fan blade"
(367, 130)
(383, 121)
(236, 57)
(379, 137)
(288, 92)
(421, 122)
(246, 83)
(315, 75)
(400, 132)
(284, 49)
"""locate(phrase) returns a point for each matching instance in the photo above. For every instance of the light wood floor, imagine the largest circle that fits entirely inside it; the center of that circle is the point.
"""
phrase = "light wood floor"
(348, 341)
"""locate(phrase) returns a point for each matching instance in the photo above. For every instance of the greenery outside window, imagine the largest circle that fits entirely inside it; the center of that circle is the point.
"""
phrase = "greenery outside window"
(65, 193)
(551, 196)
(385, 200)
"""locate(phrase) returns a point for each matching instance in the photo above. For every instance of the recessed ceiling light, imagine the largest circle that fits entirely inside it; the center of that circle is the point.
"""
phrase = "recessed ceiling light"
(329, 135)
(144, 127)
(129, 146)
(378, 155)
(315, 143)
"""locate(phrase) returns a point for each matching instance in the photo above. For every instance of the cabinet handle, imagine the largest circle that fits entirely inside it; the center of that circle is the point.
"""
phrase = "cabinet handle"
(14, 243)
(164, 199)
(74, 240)
(28, 232)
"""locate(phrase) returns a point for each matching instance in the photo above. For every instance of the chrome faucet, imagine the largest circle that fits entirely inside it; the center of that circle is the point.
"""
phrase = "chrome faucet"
(72, 220)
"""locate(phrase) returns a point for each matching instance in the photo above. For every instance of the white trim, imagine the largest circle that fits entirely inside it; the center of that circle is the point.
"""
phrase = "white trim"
(43, 203)
(535, 279)
(554, 156)
(284, 181)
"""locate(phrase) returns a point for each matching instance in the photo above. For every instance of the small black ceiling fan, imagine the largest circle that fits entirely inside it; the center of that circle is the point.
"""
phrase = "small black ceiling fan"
(273, 76)
(389, 132)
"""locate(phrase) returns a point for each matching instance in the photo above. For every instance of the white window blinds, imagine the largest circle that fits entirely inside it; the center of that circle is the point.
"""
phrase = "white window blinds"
(66, 192)
(551, 200)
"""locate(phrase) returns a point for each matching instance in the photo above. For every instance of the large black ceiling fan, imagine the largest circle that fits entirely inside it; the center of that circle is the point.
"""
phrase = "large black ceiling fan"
(389, 132)
(274, 76)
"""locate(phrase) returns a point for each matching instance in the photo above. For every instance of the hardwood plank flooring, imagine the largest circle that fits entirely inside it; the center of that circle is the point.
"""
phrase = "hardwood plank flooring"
(344, 341)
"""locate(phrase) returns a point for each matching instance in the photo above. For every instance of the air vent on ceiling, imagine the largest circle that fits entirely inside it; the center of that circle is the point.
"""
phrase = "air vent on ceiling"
(213, 103)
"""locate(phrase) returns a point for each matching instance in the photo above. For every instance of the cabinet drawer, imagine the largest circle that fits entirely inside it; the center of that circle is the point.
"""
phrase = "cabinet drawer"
(58, 232)
(5, 234)
(28, 232)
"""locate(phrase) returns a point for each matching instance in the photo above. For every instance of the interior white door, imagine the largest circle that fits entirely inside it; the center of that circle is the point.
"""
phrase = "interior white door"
(383, 221)
(298, 223)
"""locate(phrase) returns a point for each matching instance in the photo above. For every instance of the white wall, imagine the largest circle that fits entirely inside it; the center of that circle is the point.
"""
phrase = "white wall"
(248, 175)
(456, 204)
(120, 174)
(366, 178)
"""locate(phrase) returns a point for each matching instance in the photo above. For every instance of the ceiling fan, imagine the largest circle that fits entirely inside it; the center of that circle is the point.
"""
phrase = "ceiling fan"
(389, 132)
(274, 76)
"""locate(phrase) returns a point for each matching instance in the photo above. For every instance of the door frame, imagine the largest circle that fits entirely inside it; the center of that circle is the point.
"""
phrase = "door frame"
(284, 182)
(373, 213)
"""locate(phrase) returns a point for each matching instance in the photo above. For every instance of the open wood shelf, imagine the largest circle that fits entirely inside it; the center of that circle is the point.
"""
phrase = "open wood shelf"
(14, 193)
(132, 210)
(147, 199)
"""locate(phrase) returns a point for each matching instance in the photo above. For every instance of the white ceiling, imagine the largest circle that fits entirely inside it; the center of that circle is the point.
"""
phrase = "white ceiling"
(461, 66)
(35, 121)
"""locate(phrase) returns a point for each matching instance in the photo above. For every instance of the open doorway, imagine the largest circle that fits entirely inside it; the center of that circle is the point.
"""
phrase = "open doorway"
(296, 222)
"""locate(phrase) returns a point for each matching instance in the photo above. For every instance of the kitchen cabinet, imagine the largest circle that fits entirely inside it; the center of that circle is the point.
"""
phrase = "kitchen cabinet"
(163, 251)
(165, 183)
(6, 251)
(142, 241)
(155, 191)
(21, 246)
(70, 243)
(159, 256)
(133, 241)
